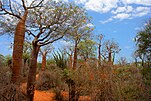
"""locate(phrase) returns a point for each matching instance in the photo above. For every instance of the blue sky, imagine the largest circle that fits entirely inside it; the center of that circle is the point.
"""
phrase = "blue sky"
(116, 19)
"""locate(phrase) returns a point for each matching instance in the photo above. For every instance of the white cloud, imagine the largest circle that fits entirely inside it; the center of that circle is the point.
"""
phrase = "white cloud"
(140, 2)
(121, 9)
(129, 9)
(106, 21)
(126, 9)
(118, 10)
(141, 11)
(101, 6)
(128, 12)
(122, 16)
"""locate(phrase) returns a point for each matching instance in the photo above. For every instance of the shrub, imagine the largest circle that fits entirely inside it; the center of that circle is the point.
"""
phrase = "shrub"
(50, 79)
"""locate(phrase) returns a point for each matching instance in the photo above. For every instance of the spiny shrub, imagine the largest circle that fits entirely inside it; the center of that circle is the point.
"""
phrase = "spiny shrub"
(49, 79)
(12, 92)
(9, 91)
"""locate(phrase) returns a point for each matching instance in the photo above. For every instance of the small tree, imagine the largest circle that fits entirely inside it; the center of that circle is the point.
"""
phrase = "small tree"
(44, 52)
(99, 43)
(86, 49)
(111, 48)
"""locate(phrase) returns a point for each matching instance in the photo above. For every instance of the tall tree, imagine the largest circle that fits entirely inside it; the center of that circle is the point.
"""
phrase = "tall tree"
(78, 33)
(143, 43)
(19, 11)
(47, 25)
(99, 43)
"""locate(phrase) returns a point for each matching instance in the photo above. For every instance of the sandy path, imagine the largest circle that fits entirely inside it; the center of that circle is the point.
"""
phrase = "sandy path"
(43, 96)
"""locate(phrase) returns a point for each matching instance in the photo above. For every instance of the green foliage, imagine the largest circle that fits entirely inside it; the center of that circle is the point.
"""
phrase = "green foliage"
(60, 59)
(143, 43)
(86, 48)
(5, 60)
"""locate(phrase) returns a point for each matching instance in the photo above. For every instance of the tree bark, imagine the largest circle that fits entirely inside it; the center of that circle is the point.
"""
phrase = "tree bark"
(99, 55)
(70, 61)
(32, 72)
(18, 49)
(110, 57)
(43, 61)
(75, 57)
(72, 86)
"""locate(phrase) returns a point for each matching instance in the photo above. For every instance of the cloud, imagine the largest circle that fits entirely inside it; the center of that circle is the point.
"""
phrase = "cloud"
(101, 6)
(120, 9)
(122, 16)
(141, 11)
(127, 12)
(126, 9)
(106, 21)
(139, 2)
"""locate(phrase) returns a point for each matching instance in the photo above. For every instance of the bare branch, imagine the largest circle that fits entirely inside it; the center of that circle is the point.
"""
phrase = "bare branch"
(43, 44)
(48, 34)
(30, 33)
(38, 5)
(11, 13)
(24, 6)
(10, 6)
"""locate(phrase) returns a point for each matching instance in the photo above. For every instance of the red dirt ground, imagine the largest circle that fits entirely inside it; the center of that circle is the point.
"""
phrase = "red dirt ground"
(43, 96)
(49, 95)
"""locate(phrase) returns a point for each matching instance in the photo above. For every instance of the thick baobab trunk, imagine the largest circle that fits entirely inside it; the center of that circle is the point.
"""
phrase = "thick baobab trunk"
(75, 57)
(18, 49)
(43, 61)
(32, 73)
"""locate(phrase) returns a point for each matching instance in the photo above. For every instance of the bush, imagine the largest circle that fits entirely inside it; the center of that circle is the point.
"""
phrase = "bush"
(50, 79)
(12, 92)
(109, 83)
(8, 91)
(5, 76)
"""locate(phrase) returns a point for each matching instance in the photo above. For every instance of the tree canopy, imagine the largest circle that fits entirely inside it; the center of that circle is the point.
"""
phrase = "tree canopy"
(143, 43)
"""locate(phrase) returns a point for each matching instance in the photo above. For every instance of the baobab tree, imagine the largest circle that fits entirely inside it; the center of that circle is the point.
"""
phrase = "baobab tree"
(86, 49)
(78, 33)
(111, 47)
(99, 39)
(44, 51)
(47, 25)
(18, 10)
